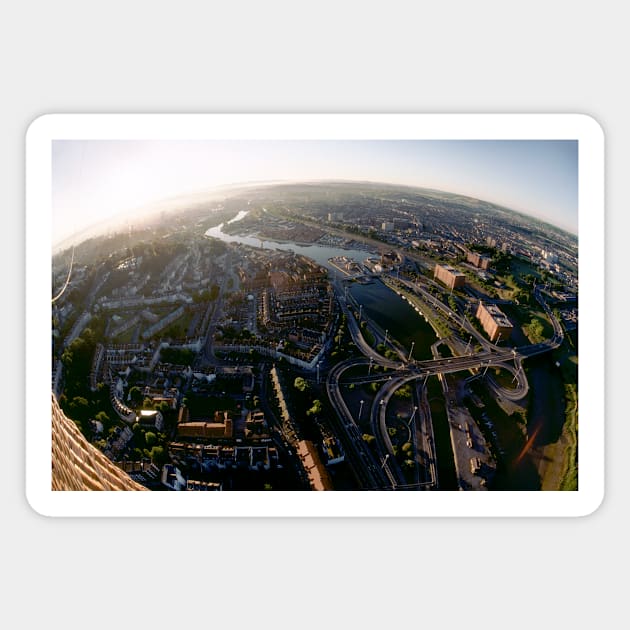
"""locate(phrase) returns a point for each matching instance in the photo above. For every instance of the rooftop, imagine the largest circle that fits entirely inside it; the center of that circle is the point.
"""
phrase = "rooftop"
(450, 269)
(498, 315)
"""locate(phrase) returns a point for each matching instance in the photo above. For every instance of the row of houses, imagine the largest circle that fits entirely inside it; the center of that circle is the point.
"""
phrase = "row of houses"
(221, 457)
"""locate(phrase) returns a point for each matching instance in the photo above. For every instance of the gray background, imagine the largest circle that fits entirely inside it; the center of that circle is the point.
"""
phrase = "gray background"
(319, 57)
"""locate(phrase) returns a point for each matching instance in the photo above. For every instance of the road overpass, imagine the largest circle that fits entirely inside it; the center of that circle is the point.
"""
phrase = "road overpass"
(386, 472)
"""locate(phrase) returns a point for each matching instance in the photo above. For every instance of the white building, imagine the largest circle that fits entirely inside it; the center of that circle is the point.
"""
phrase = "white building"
(151, 417)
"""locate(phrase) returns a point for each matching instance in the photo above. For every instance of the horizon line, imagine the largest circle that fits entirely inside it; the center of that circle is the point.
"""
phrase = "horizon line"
(151, 206)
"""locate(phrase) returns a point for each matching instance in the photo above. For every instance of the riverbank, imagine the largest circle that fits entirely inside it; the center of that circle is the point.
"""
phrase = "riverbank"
(557, 463)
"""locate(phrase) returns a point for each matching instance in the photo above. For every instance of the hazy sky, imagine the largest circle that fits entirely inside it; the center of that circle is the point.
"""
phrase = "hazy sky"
(97, 179)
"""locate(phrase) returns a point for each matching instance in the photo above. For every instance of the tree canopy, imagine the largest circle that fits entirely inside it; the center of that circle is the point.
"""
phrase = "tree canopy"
(315, 409)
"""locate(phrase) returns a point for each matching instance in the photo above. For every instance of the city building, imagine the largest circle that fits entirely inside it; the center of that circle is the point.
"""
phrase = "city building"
(494, 321)
(150, 418)
(449, 276)
(389, 259)
(219, 427)
(332, 450)
(256, 425)
(479, 260)
(373, 264)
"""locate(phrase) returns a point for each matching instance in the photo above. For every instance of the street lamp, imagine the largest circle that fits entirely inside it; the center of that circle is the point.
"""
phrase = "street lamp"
(411, 351)
(318, 364)
(360, 311)
(370, 368)
(360, 410)
(385, 460)
(415, 408)
(386, 337)
(468, 346)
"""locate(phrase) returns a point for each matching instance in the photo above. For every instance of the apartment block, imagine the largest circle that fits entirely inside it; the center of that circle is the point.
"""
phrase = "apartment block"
(449, 276)
(480, 261)
(494, 321)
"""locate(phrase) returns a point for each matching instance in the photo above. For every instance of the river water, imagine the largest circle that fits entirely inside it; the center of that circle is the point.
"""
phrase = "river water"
(396, 316)
(319, 253)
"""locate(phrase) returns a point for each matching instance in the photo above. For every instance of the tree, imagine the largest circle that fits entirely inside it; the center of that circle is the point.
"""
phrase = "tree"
(520, 296)
(79, 411)
(150, 438)
(535, 330)
(404, 392)
(178, 356)
(315, 409)
(163, 407)
(300, 384)
(158, 455)
(135, 395)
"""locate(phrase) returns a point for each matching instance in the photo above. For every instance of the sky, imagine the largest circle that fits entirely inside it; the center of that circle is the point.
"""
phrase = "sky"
(93, 180)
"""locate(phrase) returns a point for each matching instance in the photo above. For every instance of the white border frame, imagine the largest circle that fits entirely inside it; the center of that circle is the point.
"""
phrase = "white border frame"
(583, 128)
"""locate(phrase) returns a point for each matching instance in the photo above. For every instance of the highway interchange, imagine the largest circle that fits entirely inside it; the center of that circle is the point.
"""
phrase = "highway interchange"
(378, 468)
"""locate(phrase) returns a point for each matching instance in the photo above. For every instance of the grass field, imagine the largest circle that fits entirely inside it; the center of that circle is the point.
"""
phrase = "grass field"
(569, 479)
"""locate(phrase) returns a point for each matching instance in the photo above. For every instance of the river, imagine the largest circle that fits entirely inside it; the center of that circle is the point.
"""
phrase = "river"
(396, 316)
(319, 253)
